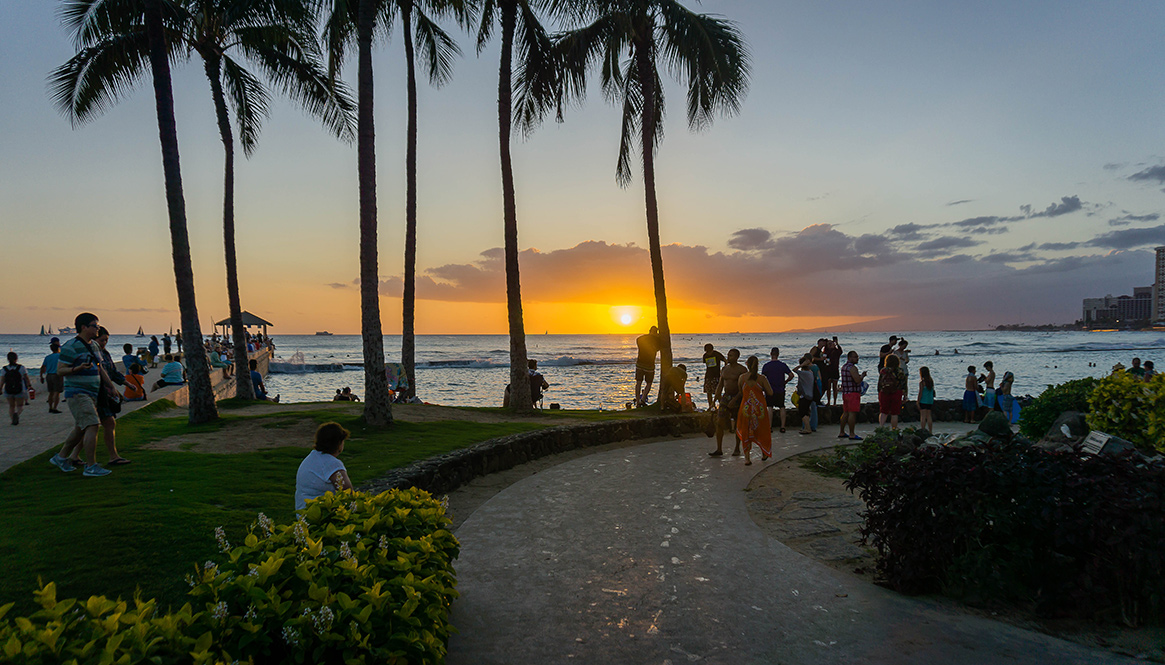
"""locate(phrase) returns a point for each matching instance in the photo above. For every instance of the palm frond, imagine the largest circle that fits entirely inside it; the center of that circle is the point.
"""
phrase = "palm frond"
(577, 49)
(537, 83)
(339, 33)
(489, 11)
(99, 76)
(629, 136)
(249, 99)
(435, 48)
(711, 54)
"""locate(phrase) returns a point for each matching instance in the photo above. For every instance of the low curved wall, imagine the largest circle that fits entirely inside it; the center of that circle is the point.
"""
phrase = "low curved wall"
(445, 473)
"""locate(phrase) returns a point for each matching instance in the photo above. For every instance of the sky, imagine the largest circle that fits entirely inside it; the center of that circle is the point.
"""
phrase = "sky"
(895, 166)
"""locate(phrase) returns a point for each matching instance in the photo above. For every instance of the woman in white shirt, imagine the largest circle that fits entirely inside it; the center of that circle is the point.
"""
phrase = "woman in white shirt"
(322, 471)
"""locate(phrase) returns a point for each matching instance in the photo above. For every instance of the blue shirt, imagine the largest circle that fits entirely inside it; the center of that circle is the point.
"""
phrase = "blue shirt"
(49, 365)
(128, 360)
(172, 372)
(153, 348)
(77, 352)
(257, 381)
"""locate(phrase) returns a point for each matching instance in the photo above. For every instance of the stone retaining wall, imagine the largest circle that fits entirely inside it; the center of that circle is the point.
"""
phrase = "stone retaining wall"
(445, 473)
(223, 387)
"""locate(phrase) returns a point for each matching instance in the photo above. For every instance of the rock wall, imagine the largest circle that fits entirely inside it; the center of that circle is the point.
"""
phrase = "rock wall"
(445, 473)
(223, 387)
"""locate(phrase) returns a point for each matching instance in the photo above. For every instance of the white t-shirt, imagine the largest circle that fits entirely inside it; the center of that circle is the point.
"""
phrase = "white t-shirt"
(312, 479)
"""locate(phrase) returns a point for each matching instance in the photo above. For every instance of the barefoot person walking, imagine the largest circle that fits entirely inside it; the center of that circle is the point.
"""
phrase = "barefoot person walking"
(752, 420)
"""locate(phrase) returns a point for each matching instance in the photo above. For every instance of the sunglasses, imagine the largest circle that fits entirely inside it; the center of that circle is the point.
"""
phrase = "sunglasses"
(94, 325)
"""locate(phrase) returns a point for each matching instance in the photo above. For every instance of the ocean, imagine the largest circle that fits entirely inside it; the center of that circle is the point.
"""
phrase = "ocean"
(597, 371)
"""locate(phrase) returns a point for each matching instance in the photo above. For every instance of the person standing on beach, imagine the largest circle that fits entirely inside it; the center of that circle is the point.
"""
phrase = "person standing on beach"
(806, 386)
(851, 395)
(882, 353)
(712, 361)
(728, 397)
(890, 391)
(49, 376)
(166, 343)
(1005, 401)
(178, 341)
(80, 365)
(16, 387)
(648, 346)
(779, 376)
(988, 380)
(833, 353)
(925, 400)
(153, 349)
(970, 395)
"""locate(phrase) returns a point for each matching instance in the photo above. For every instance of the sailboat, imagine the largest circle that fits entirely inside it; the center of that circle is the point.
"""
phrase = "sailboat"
(140, 333)
(42, 332)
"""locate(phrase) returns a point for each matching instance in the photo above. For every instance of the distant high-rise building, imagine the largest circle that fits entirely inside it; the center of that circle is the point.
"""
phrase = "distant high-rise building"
(1159, 287)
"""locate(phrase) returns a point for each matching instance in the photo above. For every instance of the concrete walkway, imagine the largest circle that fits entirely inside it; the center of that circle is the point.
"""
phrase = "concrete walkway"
(648, 555)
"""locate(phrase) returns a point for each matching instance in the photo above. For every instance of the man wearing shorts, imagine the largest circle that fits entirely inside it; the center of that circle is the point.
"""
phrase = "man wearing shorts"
(48, 375)
(645, 364)
(779, 375)
(712, 361)
(80, 365)
(833, 353)
(851, 395)
(728, 396)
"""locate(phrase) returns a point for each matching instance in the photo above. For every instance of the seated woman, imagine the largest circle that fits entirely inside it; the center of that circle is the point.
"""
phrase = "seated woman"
(322, 471)
(135, 384)
(173, 374)
(219, 361)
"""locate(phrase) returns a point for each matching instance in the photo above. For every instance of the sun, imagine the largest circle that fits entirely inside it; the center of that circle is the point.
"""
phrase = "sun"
(626, 315)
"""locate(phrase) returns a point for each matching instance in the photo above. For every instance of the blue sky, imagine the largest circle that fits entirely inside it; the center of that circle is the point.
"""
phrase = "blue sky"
(871, 133)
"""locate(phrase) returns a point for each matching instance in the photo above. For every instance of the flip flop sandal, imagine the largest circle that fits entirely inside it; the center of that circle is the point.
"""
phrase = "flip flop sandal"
(117, 462)
(715, 453)
(782, 430)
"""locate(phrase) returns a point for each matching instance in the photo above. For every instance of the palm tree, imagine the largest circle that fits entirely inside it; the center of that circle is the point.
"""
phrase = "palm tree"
(708, 51)
(538, 84)
(139, 27)
(437, 52)
(345, 18)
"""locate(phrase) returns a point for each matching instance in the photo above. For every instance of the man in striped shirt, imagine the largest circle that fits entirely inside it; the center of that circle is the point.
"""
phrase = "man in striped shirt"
(80, 365)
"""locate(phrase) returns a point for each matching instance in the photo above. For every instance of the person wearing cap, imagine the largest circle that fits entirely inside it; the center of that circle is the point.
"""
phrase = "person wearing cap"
(322, 471)
(48, 375)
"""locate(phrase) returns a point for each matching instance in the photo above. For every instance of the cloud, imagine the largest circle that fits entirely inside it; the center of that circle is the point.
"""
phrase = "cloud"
(1153, 173)
(337, 285)
(947, 243)
(982, 221)
(1130, 238)
(959, 202)
(1008, 257)
(1127, 219)
(1067, 204)
(1114, 166)
(1059, 246)
(908, 232)
(750, 239)
(990, 230)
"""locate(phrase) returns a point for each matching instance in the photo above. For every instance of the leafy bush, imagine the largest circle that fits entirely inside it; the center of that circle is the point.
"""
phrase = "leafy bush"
(1131, 408)
(357, 579)
(843, 460)
(1074, 534)
(1035, 419)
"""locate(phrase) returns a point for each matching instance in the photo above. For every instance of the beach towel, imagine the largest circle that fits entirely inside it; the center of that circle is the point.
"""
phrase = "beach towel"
(752, 421)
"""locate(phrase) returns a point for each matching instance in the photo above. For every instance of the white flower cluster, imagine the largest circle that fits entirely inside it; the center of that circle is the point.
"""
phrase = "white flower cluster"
(254, 571)
(190, 580)
(383, 543)
(221, 537)
(291, 635)
(321, 619)
(220, 611)
(210, 567)
(266, 526)
(352, 507)
(345, 551)
(299, 531)
(251, 614)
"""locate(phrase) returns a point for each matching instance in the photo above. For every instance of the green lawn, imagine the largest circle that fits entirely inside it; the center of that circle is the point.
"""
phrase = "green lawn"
(146, 524)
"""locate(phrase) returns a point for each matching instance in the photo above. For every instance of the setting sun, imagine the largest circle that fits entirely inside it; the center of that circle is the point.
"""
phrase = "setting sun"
(626, 315)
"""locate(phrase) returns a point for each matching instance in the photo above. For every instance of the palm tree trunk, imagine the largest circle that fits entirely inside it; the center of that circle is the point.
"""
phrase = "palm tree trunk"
(244, 389)
(519, 376)
(202, 405)
(643, 61)
(408, 301)
(377, 405)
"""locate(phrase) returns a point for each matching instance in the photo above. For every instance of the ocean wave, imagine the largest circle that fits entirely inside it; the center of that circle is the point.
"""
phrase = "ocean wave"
(305, 368)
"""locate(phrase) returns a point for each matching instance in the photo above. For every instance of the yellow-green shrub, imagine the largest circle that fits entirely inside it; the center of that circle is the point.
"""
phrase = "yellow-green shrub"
(1127, 406)
(357, 579)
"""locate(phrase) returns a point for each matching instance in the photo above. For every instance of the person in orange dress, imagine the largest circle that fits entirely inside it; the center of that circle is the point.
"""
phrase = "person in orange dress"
(752, 421)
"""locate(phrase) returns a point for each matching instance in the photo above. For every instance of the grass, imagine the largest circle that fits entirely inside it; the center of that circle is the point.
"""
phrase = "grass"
(143, 527)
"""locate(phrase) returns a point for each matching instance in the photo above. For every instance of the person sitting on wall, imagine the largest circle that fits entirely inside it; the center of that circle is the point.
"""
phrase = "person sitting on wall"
(173, 374)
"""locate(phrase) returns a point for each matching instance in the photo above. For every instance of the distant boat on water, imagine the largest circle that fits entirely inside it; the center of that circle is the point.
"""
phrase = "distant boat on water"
(324, 333)
(63, 331)
(140, 333)
(42, 332)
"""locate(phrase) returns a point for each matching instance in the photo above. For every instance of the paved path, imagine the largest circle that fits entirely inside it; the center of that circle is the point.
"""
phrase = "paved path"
(40, 430)
(648, 555)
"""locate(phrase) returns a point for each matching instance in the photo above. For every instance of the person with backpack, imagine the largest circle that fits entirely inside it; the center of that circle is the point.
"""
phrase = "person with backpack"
(16, 387)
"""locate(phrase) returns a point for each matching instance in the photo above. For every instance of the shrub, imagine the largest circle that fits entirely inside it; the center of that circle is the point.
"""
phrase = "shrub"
(1129, 407)
(357, 579)
(844, 460)
(1035, 419)
(1072, 533)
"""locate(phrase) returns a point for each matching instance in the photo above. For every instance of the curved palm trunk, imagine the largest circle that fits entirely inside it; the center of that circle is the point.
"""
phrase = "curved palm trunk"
(202, 405)
(644, 57)
(519, 377)
(377, 405)
(244, 389)
(408, 301)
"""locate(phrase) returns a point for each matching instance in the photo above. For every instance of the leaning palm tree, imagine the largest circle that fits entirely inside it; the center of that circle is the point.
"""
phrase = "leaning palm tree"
(538, 85)
(708, 51)
(345, 19)
(140, 27)
(437, 52)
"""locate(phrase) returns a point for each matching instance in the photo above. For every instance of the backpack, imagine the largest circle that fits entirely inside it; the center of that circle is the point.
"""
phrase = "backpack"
(13, 381)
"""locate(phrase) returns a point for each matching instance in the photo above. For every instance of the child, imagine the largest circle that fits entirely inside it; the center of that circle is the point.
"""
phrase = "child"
(925, 400)
(135, 384)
